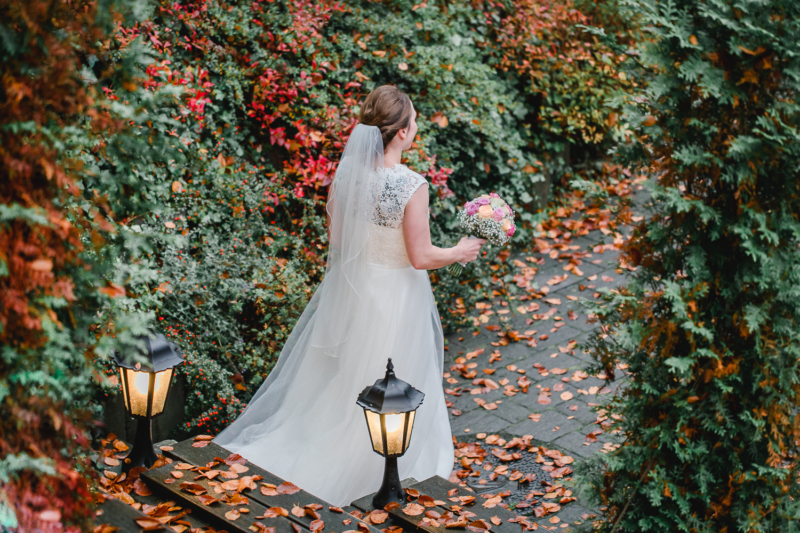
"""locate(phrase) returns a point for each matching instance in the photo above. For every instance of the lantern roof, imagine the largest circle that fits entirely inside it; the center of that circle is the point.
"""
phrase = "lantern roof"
(390, 394)
(160, 353)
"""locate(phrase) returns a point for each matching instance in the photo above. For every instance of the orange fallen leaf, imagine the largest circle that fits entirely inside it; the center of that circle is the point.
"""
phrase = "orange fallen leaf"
(193, 488)
(287, 488)
(413, 509)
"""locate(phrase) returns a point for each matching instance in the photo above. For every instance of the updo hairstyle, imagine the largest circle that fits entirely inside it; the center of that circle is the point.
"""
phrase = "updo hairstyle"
(389, 108)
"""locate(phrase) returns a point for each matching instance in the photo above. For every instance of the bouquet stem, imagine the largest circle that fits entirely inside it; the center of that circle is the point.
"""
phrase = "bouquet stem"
(458, 267)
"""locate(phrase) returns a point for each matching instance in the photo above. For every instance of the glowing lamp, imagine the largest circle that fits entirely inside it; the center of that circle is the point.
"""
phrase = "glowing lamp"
(145, 390)
(389, 407)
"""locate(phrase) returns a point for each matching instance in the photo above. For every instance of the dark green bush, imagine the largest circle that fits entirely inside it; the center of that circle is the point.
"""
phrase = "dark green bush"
(707, 327)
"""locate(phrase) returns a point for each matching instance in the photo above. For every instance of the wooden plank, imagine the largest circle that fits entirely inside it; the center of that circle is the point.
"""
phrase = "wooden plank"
(214, 513)
(391, 521)
(364, 503)
(184, 451)
(438, 488)
(120, 515)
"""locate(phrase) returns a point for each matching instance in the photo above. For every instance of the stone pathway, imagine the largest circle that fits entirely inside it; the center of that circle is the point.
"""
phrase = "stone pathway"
(550, 366)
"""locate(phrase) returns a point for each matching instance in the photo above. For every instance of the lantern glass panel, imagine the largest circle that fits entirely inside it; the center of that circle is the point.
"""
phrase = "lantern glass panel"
(124, 389)
(395, 424)
(374, 425)
(140, 383)
(410, 425)
(160, 390)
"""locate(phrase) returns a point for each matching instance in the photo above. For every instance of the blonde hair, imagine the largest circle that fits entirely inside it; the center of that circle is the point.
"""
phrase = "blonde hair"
(389, 108)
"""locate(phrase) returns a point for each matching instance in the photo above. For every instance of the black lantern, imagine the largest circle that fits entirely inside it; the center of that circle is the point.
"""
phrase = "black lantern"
(389, 407)
(145, 389)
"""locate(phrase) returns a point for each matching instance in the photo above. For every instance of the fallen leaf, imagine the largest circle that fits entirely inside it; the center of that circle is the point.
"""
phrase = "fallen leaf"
(193, 488)
(543, 398)
(288, 488)
(413, 509)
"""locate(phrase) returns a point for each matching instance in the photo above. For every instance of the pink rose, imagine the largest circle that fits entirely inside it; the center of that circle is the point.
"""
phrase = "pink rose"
(508, 208)
(472, 208)
(511, 231)
(499, 214)
(483, 201)
(494, 195)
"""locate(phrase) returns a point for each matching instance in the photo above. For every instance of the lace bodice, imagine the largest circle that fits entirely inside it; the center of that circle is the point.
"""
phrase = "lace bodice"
(394, 186)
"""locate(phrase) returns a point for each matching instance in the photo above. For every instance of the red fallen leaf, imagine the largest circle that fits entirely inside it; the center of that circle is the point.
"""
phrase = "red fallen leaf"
(170, 480)
(496, 520)
(261, 528)
(426, 501)
(336, 509)
(232, 515)
(391, 505)
(141, 489)
(203, 437)
(207, 499)
(298, 511)
(288, 488)
(363, 527)
(314, 506)
(296, 528)
(275, 512)
(193, 488)
(414, 493)
(200, 444)
(110, 461)
(432, 514)
(316, 525)
(104, 528)
(455, 412)
(183, 466)
(493, 327)
(378, 517)
(234, 459)
(592, 437)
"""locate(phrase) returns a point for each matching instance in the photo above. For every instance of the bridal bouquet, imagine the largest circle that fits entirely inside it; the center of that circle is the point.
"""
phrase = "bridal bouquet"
(487, 217)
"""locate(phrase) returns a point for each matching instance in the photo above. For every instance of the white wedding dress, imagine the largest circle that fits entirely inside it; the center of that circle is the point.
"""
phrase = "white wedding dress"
(304, 425)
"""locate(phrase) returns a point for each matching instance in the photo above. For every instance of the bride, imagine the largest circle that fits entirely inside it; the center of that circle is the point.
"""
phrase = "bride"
(375, 302)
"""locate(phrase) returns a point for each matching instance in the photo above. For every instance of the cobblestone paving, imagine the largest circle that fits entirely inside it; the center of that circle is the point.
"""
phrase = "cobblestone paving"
(569, 417)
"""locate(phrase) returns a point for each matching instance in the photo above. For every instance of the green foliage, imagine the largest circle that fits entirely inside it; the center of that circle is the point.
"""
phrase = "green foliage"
(233, 241)
(708, 325)
(60, 317)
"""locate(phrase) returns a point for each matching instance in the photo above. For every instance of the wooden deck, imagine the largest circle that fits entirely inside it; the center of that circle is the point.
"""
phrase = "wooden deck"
(208, 489)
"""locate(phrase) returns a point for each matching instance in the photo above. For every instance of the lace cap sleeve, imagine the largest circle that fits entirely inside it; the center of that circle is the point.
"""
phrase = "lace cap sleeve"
(395, 187)
(415, 181)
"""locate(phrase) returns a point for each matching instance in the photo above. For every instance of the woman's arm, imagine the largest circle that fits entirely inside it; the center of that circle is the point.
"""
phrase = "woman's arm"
(417, 235)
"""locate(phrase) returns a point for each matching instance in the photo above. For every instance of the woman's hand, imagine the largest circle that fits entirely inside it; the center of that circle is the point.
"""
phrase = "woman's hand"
(467, 249)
